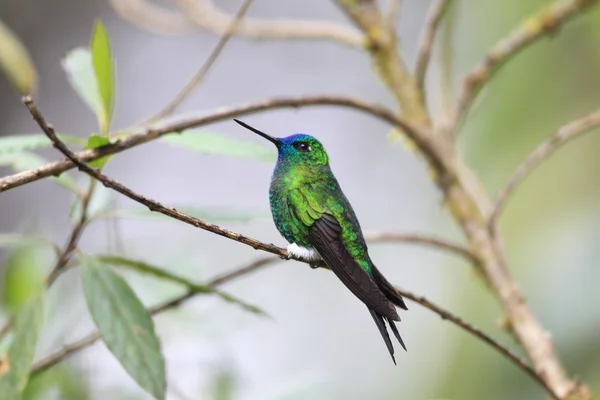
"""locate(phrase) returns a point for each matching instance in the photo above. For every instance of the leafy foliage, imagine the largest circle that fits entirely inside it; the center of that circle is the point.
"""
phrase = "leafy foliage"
(165, 275)
(16, 62)
(32, 141)
(215, 144)
(25, 161)
(125, 325)
(94, 142)
(14, 366)
(103, 68)
(22, 276)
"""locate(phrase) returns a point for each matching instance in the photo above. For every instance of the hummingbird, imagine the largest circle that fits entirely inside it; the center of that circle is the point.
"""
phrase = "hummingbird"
(314, 216)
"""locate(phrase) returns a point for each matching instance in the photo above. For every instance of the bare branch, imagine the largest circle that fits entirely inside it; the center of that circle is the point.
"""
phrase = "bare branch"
(432, 22)
(205, 15)
(223, 113)
(565, 134)
(544, 22)
(380, 237)
(389, 64)
(148, 16)
(199, 76)
(392, 13)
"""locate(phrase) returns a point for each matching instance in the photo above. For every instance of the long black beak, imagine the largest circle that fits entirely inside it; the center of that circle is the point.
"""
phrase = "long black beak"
(271, 139)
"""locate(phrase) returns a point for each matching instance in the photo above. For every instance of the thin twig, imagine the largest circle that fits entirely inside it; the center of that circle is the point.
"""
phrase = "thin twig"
(565, 134)
(206, 66)
(203, 15)
(446, 62)
(71, 245)
(505, 351)
(379, 237)
(544, 22)
(392, 13)
(223, 113)
(432, 22)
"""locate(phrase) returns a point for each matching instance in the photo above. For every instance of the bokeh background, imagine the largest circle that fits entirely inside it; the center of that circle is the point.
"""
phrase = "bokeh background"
(321, 343)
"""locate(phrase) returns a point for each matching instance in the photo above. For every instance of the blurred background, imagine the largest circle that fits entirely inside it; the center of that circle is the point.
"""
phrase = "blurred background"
(320, 342)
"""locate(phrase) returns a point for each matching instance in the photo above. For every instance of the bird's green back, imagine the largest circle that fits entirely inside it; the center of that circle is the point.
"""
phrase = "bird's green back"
(300, 194)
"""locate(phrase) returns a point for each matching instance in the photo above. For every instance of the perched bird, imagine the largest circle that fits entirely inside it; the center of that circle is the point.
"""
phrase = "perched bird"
(312, 213)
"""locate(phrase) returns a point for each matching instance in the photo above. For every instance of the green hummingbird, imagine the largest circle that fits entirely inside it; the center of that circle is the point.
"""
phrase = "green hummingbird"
(312, 213)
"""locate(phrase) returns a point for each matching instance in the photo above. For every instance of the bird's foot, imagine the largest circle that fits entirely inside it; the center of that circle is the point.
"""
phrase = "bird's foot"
(317, 264)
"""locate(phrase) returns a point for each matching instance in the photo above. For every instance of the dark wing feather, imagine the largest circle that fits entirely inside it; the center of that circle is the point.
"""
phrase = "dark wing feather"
(396, 333)
(325, 237)
(388, 289)
(379, 321)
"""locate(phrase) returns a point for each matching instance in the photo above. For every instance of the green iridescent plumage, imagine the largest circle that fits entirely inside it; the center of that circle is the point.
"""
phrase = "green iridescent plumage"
(312, 213)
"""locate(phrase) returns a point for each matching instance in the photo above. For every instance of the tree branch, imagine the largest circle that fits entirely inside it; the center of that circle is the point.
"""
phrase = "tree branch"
(202, 14)
(432, 22)
(383, 49)
(223, 113)
(380, 237)
(544, 22)
(199, 76)
(155, 19)
(565, 134)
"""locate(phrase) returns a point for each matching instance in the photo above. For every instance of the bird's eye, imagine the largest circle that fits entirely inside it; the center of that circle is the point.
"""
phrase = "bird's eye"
(302, 146)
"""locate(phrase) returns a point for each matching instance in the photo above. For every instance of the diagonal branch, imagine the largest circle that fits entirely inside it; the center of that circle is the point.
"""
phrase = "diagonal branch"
(544, 22)
(565, 134)
(173, 213)
(202, 14)
(432, 22)
(199, 76)
(223, 113)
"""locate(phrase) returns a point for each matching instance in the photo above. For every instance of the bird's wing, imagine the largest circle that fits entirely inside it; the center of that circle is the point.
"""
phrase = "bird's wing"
(326, 237)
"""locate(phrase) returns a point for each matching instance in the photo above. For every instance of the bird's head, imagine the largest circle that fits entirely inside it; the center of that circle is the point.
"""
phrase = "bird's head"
(298, 148)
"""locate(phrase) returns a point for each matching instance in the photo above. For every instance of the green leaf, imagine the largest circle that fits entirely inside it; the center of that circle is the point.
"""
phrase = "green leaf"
(22, 276)
(103, 68)
(14, 367)
(215, 144)
(32, 141)
(16, 62)
(67, 382)
(16, 240)
(223, 385)
(80, 74)
(25, 161)
(125, 325)
(212, 214)
(160, 273)
(94, 142)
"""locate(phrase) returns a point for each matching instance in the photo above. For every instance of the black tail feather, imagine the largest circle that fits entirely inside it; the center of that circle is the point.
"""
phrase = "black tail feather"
(379, 321)
(396, 333)
(388, 289)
